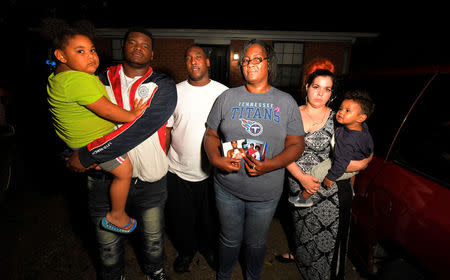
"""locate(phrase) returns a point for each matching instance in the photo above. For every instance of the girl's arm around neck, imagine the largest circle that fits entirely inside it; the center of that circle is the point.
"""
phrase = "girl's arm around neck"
(107, 110)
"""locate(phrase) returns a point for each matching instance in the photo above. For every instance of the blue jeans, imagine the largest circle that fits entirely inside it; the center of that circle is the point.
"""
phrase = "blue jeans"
(242, 221)
(143, 204)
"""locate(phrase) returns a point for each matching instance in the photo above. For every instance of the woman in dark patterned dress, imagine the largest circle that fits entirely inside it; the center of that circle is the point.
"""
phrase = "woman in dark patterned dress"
(321, 230)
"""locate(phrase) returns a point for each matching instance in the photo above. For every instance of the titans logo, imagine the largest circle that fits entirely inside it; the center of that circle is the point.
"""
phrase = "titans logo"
(253, 128)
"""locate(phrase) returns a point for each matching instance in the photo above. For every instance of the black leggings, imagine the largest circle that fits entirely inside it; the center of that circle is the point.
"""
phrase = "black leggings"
(345, 195)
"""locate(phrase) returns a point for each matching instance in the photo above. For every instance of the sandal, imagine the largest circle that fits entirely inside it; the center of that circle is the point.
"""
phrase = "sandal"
(111, 227)
(282, 259)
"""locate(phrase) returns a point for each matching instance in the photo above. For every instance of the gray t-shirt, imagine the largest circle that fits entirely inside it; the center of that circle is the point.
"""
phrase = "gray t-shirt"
(268, 117)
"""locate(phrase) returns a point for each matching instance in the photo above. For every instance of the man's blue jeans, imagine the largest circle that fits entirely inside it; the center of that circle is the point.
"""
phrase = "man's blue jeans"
(143, 205)
(242, 221)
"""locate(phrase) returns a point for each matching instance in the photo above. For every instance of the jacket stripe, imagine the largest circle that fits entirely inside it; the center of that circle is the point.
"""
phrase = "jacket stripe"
(114, 79)
(162, 104)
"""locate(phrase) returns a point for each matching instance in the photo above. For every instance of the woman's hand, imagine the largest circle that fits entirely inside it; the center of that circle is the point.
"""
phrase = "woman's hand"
(211, 143)
(310, 183)
(227, 164)
(255, 167)
(293, 148)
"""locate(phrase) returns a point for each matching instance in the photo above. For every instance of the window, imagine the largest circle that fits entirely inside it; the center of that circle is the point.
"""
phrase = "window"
(423, 144)
(392, 95)
(219, 64)
(290, 61)
(116, 46)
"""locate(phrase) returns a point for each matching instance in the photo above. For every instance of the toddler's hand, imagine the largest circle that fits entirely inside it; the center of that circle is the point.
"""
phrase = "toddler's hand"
(139, 107)
(327, 182)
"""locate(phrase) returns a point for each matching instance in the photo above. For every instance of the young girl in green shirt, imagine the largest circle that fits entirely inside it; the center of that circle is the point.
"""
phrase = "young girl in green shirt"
(81, 110)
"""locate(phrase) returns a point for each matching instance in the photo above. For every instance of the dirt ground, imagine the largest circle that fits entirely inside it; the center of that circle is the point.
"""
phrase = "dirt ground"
(46, 234)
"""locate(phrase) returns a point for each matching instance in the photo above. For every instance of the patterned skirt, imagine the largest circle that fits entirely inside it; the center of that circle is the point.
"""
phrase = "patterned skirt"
(321, 233)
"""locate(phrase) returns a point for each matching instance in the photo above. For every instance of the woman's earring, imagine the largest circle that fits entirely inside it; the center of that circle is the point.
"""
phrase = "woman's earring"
(330, 100)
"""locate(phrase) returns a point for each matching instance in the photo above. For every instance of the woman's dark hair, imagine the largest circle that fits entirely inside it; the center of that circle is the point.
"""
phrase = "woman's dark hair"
(59, 31)
(270, 53)
(321, 73)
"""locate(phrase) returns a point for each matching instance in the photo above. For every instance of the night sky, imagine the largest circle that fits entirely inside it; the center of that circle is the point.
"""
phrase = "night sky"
(406, 34)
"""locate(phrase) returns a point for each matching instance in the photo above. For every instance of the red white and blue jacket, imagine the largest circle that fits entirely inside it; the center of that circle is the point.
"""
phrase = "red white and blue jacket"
(162, 95)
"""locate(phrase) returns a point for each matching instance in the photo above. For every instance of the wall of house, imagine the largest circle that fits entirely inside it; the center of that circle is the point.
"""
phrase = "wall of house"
(337, 52)
(235, 72)
(169, 56)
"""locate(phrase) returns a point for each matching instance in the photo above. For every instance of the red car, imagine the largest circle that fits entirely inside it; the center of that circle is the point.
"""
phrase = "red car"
(401, 209)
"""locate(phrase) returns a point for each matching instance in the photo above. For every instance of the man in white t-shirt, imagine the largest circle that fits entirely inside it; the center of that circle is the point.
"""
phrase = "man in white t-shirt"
(190, 207)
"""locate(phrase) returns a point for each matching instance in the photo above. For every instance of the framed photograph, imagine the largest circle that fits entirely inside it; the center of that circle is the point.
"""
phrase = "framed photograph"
(249, 147)
(256, 149)
(234, 149)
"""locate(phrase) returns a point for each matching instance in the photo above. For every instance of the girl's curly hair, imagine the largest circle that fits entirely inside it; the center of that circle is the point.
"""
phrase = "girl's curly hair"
(58, 31)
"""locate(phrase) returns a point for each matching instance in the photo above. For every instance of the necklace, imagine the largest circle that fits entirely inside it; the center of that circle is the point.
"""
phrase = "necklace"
(316, 122)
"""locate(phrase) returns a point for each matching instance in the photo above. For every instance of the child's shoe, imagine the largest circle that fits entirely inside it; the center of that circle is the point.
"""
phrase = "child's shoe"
(159, 275)
(300, 201)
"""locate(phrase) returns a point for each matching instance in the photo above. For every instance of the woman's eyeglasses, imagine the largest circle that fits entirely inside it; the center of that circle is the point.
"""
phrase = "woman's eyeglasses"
(254, 61)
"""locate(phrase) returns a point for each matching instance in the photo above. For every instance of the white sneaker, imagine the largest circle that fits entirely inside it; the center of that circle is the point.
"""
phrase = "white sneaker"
(300, 201)
(159, 275)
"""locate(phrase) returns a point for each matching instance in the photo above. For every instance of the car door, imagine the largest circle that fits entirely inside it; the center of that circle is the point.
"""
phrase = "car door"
(420, 161)
(403, 197)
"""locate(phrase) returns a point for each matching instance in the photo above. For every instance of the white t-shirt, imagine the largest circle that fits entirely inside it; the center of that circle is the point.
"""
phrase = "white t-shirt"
(188, 124)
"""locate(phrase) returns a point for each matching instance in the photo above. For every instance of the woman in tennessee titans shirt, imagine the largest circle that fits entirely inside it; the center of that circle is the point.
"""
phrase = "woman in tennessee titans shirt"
(248, 190)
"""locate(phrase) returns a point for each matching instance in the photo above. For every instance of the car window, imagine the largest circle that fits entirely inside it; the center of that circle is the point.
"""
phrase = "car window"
(392, 95)
(424, 142)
